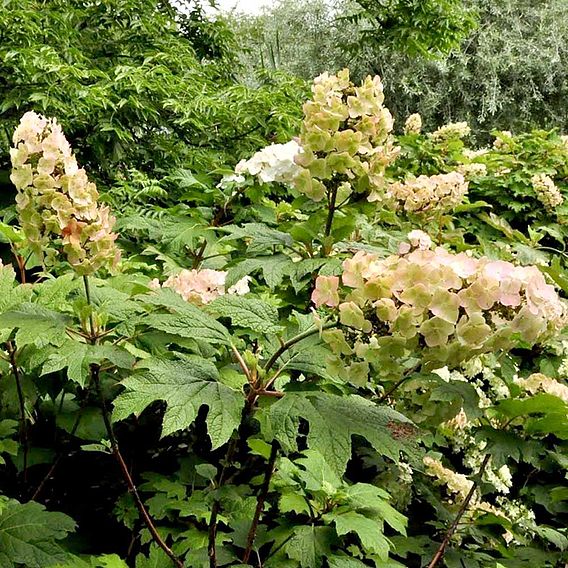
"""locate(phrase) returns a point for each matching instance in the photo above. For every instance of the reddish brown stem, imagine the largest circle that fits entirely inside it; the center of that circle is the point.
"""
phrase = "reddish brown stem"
(95, 378)
(22, 404)
(260, 502)
(127, 477)
(211, 547)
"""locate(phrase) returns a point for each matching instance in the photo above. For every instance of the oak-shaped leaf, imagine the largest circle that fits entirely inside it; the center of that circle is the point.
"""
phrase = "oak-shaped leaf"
(29, 534)
(36, 324)
(184, 319)
(249, 313)
(333, 420)
(185, 385)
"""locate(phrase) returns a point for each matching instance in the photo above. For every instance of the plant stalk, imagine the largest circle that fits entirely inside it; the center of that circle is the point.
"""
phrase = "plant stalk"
(126, 474)
(291, 342)
(22, 405)
(95, 378)
(260, 501)
(329, 221)
(211, 550)
(230, 454)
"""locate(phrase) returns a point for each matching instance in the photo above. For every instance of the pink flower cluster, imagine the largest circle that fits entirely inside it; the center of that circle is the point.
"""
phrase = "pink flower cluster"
(202, 286)
(445, 307)
(56, 199)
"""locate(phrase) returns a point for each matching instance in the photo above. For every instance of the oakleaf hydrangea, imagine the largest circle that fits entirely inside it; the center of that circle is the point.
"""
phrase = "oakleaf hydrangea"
(546, 191)
(413, 124)
(56, 201)
(274, 163)
(425, 194)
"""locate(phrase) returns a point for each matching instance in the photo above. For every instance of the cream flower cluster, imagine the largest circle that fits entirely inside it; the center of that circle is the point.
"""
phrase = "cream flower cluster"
(458, 486)
(537, 382)
(472, 154)
(345, 137)
(274, 163)
(441, 306)
(503, 141)
(456, 483)
(413, 124)
(546, 191)
(451, 131)
(56, 200)
(442, 192)
(202, 286)
(472, 170)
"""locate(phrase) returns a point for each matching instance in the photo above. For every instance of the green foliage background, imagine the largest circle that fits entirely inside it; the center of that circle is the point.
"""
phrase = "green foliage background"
(160, 104)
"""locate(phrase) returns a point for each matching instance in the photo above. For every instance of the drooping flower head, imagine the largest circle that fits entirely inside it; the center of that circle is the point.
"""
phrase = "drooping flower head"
(451, 131)
(56, 202)
(546, 191)
(413, 124)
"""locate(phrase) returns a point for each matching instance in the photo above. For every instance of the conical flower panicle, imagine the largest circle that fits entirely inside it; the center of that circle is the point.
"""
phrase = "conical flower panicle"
(56, 202)
(345, 138)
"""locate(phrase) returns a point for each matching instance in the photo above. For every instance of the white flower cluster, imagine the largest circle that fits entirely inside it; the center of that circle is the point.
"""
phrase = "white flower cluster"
(413, 124)
(503, 140)
(451, 131)
(274, 163)
(472, 170)
(472, 154)
(456, 483)
(537, 382)
(518, 513)
(440, 192)
(546, 191)
(420, 239)
(202, 286)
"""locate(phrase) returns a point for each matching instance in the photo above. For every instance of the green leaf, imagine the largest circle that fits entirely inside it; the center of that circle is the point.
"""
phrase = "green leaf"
(309, 544)
(36, 324)
(345, 562)
(370, 532)
(53, 293)
(10, 234)
(12, 295)
(333, 420)
(29, 535)
(293, 503)
(274, 268)
(78, 357)
(248, 312)
(375, 500)
(260, 236)
(185, 386)
(187, 320)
